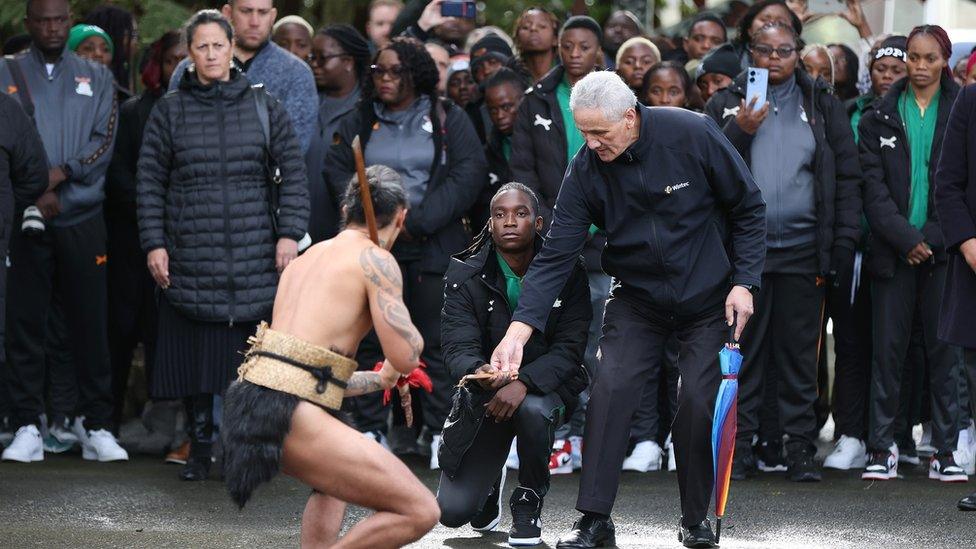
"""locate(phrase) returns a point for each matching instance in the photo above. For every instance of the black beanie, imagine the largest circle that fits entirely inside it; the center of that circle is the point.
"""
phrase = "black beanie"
(894, 46)
(491, 46)
(583, 22)
(351, 41)
(722, 60)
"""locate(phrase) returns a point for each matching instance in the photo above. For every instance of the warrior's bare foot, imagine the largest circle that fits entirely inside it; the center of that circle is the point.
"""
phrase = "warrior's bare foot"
(338, 461)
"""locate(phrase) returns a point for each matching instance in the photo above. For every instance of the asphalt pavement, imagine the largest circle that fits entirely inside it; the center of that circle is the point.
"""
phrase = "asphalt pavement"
(65, 502)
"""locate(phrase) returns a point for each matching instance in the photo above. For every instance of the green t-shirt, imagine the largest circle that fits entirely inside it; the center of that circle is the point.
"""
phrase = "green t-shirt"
(574, 139)
(920, 131)
(513, 282)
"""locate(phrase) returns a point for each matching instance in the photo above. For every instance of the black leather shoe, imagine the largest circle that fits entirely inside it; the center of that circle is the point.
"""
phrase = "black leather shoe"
(967, 503)
(589, 531)
(699, 535)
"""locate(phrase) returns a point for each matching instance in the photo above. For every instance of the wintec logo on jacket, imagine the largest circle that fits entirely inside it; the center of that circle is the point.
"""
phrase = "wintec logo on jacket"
(671, 188)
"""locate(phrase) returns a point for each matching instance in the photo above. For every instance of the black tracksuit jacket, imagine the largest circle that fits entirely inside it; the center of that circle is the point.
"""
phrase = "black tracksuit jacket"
(684, 220)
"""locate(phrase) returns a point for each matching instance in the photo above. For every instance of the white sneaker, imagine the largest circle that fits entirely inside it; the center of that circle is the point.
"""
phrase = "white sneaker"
(78, 429)
(26, 446)
(59, 438)
(849, 453)
(102, 446)
(576, 443)
(645, 457)
(963, 454)
(924, 447)
(379, 437)
(672, 461)
(513, 461)
(435, 446)
(561, 458)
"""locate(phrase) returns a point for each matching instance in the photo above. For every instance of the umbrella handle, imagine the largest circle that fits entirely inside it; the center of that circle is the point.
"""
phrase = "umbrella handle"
(735, 321)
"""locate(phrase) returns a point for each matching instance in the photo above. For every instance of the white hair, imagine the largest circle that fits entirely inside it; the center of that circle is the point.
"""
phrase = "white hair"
(603, 90)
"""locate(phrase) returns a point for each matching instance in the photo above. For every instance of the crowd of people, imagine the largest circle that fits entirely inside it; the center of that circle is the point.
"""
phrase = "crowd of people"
(158, 212)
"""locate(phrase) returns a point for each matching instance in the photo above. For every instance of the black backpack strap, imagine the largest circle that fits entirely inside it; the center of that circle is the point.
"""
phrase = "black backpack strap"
(23, 92)
(261, 103)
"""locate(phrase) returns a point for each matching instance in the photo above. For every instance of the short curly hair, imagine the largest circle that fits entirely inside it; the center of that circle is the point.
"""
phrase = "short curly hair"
(421, 71)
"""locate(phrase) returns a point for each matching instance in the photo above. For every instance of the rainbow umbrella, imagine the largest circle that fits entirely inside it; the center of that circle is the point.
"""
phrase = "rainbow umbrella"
(724, 427)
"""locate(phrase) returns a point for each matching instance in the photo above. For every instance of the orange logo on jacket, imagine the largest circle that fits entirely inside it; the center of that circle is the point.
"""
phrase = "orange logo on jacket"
(11, 90)
(101, 259)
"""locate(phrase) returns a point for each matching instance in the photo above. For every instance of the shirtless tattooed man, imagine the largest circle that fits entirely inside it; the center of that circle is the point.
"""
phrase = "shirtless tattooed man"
(282, 411)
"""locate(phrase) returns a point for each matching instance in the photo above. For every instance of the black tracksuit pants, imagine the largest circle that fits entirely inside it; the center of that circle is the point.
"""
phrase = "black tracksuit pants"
(633, 346)
(423, 294)
(783, 338)
(76, 257)
(852, 359)
(909, 302)
(132, 311)
(534, 423)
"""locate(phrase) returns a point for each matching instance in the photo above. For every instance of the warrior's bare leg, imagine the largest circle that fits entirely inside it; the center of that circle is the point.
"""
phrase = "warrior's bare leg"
(322, 520)
(338, 461)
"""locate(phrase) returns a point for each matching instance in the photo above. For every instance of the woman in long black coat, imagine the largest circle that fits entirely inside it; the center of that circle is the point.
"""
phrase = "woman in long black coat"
(955, 200)
(206, 225)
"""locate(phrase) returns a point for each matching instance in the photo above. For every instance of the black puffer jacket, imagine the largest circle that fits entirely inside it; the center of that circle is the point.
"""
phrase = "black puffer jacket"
(835, 164)
(475, 318)
(203, 196)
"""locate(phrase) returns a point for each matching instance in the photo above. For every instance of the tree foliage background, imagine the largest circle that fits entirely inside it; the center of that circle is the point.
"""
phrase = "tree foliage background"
(157, 16)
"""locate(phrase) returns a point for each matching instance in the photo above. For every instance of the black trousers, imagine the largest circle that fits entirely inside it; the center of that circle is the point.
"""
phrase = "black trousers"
(653, 417)
(534, 423)
(61, 380)
(132, 311)
(904, 304)
(76, 257)
(781, 341)
(852, 359)
(632, 346)
(969, 357)
(423, 294)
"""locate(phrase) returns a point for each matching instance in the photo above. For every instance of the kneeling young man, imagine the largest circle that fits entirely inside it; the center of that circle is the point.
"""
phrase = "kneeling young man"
(282, 411)
(482, 289)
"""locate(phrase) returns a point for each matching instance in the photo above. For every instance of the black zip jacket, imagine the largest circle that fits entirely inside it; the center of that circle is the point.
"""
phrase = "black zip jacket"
(886, 161)
(474, 320)
(684, 220)
(457, 175)
(23, 164)
(120, 181)
(835, 165)
(539, 152)
(202, 194)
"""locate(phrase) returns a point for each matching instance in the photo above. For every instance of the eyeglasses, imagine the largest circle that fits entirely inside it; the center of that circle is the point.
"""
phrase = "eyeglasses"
(395, 73)
(762, 50)
(319, 60)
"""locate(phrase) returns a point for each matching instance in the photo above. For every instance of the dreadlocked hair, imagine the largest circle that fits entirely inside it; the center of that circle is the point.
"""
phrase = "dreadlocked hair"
(484, 235)
(940, 36)
(779, 25)
(120, 26)
(420, 70)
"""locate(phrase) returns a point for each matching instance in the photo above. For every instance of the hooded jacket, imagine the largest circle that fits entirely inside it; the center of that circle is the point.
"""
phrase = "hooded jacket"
(76, 113)
(457, 176)
(203, 196)
(474, 320)
(836, 170)
(886, 161)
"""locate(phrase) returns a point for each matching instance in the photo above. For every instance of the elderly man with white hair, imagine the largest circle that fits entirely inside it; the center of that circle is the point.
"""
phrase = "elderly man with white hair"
(686, 235)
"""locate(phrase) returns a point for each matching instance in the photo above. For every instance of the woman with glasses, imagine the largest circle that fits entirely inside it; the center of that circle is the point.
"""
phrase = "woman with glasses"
(432, 144)
(901, 142)
(799, 145)
(339, 59)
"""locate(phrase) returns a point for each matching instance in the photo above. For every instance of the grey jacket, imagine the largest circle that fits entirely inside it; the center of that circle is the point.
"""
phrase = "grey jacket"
(76, 113)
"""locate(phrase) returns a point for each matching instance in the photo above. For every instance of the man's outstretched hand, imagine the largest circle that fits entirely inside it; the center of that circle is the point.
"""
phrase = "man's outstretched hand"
(738, 309)
(507, 356)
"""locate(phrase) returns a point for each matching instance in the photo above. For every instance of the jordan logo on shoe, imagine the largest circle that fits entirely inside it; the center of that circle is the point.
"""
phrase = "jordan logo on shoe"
(525, 497)
(888, 141)
(544, 122)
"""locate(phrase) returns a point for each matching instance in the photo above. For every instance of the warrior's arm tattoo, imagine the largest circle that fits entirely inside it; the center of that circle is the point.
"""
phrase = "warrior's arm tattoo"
(363, 382)
(383, 273)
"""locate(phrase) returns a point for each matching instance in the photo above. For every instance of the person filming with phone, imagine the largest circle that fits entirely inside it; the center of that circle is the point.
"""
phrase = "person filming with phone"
(797, 140)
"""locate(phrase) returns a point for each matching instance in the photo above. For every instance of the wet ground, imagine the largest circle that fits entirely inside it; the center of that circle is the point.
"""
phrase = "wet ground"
(65, 502)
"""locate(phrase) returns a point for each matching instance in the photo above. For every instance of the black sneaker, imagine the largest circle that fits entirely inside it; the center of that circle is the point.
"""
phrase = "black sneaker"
(944, 468)
(769, 456)
(743, 462)
(697, 536)
(802, 467)
(881, 465)
(526, 508)
(196, 469)
(491, 514)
